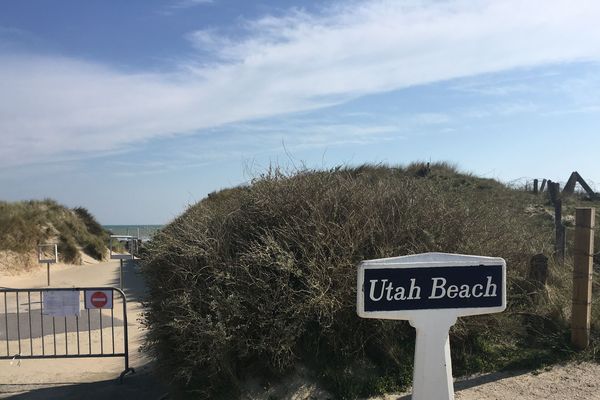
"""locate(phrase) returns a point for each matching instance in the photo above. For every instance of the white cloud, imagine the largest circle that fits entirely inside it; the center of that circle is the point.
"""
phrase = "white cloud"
(183, 4)
(501, 109)
(190, 3)
(52, 106)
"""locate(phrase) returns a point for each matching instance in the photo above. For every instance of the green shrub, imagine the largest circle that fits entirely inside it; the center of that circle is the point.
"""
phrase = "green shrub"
(95, 248)
(68, 251)
(93, 226)
(258, 278)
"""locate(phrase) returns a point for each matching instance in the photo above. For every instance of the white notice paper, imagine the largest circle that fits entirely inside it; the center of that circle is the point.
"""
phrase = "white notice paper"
(61, 303)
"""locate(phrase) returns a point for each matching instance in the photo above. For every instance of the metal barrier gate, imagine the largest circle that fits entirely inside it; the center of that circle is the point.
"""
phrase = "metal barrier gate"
(31, 332)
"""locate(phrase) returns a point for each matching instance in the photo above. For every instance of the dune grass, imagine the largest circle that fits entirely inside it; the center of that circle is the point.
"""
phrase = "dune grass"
(24, 225)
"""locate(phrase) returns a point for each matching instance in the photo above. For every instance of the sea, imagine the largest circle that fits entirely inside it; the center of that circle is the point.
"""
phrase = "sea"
(144, 232)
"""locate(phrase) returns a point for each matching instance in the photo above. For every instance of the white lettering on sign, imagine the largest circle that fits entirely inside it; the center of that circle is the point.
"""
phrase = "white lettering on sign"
(383, 289)
(439, 290)
(398, 293)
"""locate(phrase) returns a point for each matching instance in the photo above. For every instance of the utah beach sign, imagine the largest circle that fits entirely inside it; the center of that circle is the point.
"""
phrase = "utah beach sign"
(430, 291)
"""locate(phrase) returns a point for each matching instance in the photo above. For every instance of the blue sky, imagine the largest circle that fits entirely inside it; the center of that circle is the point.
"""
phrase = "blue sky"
(137, 109)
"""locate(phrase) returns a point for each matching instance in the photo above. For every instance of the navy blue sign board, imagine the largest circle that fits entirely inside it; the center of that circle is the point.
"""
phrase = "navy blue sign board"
(389, 289)
(396, 288)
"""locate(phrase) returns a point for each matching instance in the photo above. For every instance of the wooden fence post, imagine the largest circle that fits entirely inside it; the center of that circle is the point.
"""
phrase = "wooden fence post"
(538, 269)
(553, 191)
(538, 275)
(583, 257)
(560, 233)
(535, 186)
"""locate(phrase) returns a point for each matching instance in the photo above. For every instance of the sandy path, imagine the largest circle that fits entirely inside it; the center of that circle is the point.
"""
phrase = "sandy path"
(561, 382)
(571, 381)
(43, 376)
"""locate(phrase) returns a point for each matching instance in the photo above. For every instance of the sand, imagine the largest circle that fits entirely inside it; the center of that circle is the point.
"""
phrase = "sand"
(560, 382)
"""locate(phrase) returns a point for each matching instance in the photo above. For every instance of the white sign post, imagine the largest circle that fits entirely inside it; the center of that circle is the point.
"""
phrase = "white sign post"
(48, 254)
(431, 291)
(118, 256)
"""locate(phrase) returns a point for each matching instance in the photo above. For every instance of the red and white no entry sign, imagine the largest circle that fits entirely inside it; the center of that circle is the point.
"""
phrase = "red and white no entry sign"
(98, 299)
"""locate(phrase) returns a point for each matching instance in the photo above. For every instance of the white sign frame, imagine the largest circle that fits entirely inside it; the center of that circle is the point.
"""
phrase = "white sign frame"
(116, 256)
(432, 375)
(41, 252)
(427, 260)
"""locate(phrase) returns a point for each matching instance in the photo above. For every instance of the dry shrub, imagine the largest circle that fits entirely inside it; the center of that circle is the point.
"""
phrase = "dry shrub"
(256, 279)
